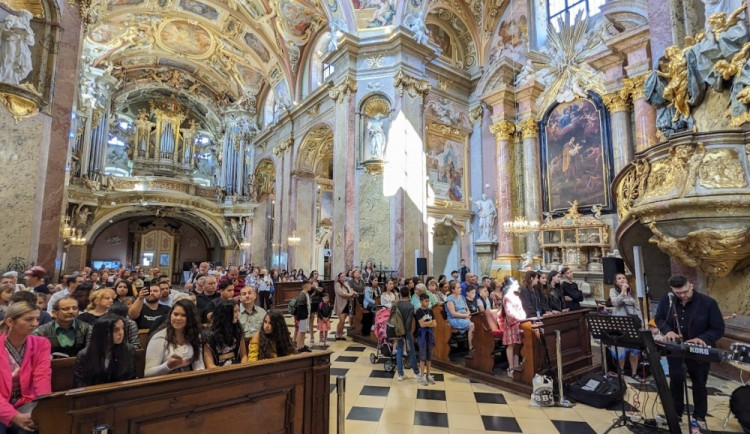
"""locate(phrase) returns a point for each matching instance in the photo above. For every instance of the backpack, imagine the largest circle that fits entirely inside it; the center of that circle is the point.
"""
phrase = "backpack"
(395, 326)
(292, 308)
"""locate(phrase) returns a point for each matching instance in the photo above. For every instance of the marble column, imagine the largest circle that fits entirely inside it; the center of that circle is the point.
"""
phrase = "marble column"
(503, 132)
(344, 193)
(622, 141)
(531, 177)
(645, 114)
(304, 197)
(409, 203)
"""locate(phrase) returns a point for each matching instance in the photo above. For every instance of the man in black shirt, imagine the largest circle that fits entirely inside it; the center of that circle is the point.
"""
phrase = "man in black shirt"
(407, 313)
(146, 308)
(463, 271)
(209, 293)
(35, 279)
(684, 314)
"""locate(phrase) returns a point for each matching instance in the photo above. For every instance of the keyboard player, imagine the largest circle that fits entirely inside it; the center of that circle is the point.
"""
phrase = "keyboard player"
(694, 318)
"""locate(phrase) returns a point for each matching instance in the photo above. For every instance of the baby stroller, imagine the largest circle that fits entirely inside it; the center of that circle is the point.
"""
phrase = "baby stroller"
(386, 347)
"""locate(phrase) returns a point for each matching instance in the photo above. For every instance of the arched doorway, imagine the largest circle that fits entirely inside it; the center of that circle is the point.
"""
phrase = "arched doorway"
(445, 246)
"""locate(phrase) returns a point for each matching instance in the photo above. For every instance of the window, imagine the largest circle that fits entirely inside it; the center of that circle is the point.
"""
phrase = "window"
(558, 8)
(327, 70)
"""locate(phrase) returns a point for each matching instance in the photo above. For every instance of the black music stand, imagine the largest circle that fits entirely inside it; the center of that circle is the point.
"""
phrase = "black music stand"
(625, 332)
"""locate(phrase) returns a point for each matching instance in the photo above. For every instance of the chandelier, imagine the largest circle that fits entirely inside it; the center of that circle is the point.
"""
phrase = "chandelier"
(71, 235)
(520, 226)
(245, 245)
(294, 239)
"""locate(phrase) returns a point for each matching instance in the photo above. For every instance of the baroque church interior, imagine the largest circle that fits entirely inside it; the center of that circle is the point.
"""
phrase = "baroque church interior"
(321, 134)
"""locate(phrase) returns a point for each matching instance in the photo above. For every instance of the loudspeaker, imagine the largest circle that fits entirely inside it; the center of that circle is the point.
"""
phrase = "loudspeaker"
(611, 267)
(421, 266)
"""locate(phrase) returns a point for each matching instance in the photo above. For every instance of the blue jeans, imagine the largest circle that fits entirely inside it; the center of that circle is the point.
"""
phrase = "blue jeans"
(400, 354)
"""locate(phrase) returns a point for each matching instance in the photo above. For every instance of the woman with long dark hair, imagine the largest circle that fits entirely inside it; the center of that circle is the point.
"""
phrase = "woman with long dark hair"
(225, 340)
(342, 305)
(25, 368)
(530, 296)
(108, 356)
(176, 346)
(272, 341)
(625, 303)
(556, 296)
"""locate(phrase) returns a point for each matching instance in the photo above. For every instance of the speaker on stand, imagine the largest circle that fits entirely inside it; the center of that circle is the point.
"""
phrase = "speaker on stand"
(612, 266)
(421, 266)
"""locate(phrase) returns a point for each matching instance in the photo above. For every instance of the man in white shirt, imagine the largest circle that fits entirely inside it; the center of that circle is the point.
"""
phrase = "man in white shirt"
(71, 283)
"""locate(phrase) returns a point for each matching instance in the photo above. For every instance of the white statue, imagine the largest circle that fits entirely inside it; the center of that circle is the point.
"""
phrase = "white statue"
(376, 130)
(415, 23)
(527, 74)
(487, 213)
(16, 37)
(714, 6)
(528, 258)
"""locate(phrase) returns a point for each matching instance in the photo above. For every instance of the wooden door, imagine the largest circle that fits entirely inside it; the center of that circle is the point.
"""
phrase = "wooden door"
(157, 250)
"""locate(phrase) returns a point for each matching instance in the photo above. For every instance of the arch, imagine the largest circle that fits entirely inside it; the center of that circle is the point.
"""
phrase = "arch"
(202, 221)
(315, 147)
(311, 78)
(466, 36)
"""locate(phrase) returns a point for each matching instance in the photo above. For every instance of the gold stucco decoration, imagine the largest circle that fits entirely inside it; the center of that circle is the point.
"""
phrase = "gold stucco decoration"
(34, 6)
(528, 128)
(343, 90)
(21, 101)
(503, 130)
(722, 168)
(413, 86)
(616, 102)
(376, 106)
(713, 251)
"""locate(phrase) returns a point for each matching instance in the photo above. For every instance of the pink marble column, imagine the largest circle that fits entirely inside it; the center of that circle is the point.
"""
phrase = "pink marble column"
(645, 123)
(503, 132)
(65, 84)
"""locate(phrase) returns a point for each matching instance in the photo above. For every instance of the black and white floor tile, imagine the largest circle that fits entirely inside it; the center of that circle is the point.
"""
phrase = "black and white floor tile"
(376, 402)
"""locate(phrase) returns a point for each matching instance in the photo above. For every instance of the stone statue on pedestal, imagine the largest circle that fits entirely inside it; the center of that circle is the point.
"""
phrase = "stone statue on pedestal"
(16, 37)
(376, 130)
(487, 213)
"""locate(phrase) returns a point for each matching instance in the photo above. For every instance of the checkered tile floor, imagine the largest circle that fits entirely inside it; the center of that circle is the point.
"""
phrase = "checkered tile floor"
(376, 402)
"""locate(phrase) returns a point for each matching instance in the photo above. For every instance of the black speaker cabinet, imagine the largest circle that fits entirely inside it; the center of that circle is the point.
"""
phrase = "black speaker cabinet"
(611, 267)
(421, 266)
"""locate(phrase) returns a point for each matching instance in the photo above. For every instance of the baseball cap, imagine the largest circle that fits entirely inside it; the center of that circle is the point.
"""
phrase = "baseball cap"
(36, 271)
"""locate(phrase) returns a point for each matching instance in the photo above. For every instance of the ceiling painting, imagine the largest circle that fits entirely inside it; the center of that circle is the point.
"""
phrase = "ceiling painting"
(372, 14)
(254, 43)
(183, 37)
(106, 34)
(199, 8)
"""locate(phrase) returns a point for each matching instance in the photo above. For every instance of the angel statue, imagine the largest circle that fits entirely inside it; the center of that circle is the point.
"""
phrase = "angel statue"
(16, 38)
(528, 258)
(597, 211)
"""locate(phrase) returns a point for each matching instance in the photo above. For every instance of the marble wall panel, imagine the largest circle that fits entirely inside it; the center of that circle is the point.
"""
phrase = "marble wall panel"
(374, 215)
(305, 224)
(20, 149)
(731, 292)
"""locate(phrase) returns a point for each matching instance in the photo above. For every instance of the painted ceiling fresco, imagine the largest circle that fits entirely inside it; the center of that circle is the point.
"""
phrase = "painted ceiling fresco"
(228, 52)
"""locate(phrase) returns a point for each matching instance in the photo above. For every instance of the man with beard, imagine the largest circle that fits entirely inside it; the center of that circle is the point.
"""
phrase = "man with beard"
(146, 308)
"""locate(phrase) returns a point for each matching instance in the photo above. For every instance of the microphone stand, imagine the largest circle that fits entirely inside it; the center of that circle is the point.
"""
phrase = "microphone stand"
(684, 365)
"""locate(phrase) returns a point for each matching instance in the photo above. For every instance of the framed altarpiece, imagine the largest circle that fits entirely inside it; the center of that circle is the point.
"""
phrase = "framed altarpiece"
(446, 155)
(576, 155)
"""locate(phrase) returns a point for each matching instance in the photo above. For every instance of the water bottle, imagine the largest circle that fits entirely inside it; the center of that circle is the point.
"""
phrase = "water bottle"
(694, 428)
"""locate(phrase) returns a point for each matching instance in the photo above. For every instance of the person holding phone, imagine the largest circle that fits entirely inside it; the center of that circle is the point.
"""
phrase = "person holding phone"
(625, 304)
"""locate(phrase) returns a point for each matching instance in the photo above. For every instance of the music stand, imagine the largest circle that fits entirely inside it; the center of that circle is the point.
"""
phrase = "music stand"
(625, 332)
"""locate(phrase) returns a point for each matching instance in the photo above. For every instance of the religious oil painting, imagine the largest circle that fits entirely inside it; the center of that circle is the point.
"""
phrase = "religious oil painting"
(186, 38)
(374, 13)
(576, 155)
(199, 8)
(106, 33)
(442, 39)
(446, 157)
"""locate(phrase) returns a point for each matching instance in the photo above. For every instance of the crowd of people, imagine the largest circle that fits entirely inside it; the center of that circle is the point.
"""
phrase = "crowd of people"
(225, 317)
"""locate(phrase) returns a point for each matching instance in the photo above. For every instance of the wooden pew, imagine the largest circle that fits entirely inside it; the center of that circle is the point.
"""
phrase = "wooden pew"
(575, 345)
(289, 394)
(484, 342)
(63, 370)
(285, 291)
(442, 348)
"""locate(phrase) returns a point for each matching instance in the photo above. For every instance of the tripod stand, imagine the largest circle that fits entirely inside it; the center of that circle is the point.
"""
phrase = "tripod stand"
(624, 332)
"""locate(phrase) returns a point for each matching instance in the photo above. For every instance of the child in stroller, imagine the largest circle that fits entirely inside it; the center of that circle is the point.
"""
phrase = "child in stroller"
(386, 348)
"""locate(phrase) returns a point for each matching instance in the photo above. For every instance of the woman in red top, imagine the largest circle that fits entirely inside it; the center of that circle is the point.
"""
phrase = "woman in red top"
(25, 368)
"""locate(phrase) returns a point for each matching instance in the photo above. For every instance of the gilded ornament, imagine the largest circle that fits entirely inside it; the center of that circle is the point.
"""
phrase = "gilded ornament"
(528, 128)
(616, 102)
(34, 6)
(714, 251)
(733, 68)
(633, 87)
(676, 90)
(661, 179)
(413, 86)
(376, 106)
(503, 130)
(721, 168)
(344, 90)
(19, 107)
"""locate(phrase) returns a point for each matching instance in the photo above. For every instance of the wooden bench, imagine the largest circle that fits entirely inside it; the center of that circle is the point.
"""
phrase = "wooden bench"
(63, 370)
(289, 394)
(443, 334)
(575, 343)
(487, 333)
